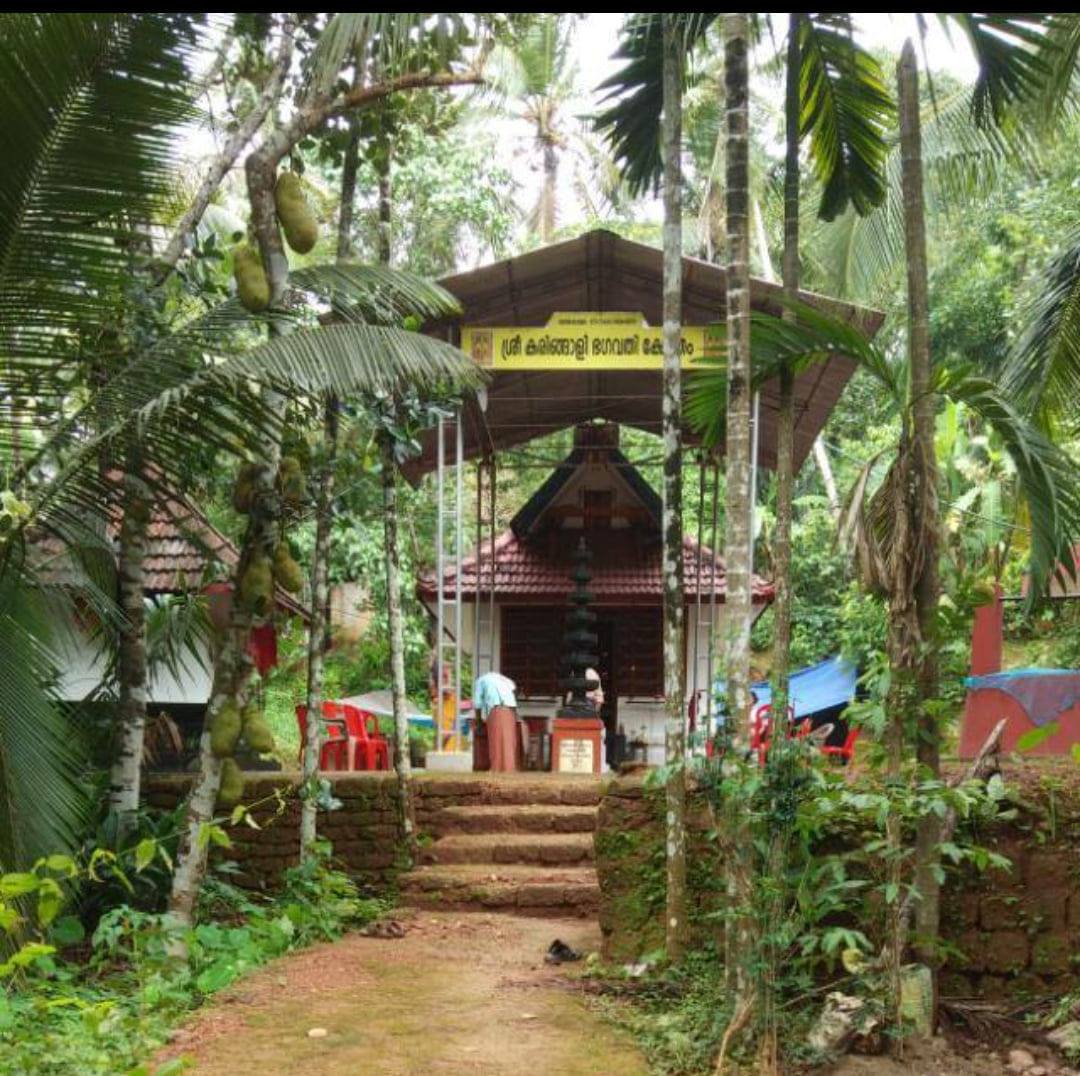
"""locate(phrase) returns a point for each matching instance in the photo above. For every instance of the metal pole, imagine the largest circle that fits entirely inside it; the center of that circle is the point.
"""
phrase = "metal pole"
(480, 546)
(711, 670)
(697, 582)
(439, 548)
(753, 485)
(459, 541)
(492, 483)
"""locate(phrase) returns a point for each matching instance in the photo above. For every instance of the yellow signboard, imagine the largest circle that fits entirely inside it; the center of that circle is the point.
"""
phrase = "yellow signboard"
(583, 341)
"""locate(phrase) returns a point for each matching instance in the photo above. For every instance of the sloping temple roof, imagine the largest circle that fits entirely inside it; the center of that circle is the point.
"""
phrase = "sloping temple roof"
(534, 557)
(603, 273)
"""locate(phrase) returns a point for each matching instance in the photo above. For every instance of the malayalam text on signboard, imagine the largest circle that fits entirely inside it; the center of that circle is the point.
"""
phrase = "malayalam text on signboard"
(610, 341)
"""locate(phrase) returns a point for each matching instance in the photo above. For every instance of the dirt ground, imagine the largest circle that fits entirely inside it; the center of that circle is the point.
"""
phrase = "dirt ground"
(942, 1056)
(457, 995)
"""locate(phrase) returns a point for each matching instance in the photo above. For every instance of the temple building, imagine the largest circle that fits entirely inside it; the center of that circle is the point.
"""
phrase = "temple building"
(595, 493)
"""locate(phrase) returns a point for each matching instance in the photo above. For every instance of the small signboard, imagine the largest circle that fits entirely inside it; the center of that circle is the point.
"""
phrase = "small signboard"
(576, 756)
(588, 341)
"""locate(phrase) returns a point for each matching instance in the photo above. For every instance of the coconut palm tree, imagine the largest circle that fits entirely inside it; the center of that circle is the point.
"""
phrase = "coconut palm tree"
(94, 103)
(538, 78)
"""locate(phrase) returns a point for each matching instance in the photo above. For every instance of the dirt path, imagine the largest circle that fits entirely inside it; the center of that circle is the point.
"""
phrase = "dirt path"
(458, 994)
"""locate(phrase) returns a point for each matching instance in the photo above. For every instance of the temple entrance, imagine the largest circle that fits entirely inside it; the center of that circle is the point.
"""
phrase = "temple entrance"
(570, 336)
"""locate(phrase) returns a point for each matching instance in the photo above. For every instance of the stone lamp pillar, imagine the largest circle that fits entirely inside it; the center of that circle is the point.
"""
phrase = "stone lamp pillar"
(577, 729)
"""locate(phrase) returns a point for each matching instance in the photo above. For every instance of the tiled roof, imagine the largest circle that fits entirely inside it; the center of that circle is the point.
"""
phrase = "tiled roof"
(626, 570)
(183, 549)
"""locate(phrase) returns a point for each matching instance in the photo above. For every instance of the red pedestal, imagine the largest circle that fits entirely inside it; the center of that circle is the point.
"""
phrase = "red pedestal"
(576, 745)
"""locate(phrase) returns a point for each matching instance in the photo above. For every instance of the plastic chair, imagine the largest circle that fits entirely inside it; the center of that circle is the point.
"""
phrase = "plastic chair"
(370, 747)
(761, 729)
(337, 749)
(845, 751)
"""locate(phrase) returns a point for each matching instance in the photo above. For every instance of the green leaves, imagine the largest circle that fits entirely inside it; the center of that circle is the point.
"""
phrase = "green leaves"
(631, 125)
(1010, 48)
(1036, 736)
(1043, 370)
(846, 112)
(1046, 476)
(91, 104)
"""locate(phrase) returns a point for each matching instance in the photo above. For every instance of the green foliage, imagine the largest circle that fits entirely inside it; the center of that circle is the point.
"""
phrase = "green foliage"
(819, 904)
(108, 1014)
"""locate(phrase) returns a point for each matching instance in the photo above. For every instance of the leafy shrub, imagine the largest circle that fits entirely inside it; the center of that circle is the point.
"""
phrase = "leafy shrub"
(106, 1013)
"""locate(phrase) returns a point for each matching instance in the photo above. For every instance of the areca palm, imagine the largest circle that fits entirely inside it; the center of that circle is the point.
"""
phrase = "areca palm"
(837, 104)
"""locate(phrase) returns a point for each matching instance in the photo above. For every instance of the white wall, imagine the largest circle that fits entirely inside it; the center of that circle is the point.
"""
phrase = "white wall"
(83, 669)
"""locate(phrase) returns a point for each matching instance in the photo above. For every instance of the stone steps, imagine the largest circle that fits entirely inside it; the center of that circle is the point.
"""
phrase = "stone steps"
(507, 818)
(521, 889)
(508, 843)
(554, 849)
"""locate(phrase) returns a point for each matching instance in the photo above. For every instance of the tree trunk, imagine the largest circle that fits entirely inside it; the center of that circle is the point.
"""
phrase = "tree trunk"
(924, 473)
(674, 634)
(350, 167)
(549, 192)
(737, 506)
(385, 207)
(828, 479)
(738, 533)
(406, 817)
(233, 664)
(319, 635)
(785, 433)
(124, 784)
(317, 631)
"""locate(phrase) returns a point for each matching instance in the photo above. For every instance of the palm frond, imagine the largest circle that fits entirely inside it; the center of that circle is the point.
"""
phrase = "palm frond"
(1062, 53)
(537, 61)
(1010, 49)
(43, 805)
(846, 111)
(857, 533)
(631, 124)
(380, 40)
(1043, 370)
(1046, 477)
(858, 254)
(814, 337)
(90, 110)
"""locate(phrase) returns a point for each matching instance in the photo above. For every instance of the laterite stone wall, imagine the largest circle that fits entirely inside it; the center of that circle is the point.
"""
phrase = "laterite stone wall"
(1018, 929)
(363, 831)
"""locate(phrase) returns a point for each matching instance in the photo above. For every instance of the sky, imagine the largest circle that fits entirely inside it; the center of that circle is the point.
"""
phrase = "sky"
(594, 42)
(596, 39)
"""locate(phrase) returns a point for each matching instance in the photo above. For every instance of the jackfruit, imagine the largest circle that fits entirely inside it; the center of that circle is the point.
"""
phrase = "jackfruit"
(243, 495)
(257, 732)
(297, 220)
(225, 731)
(231, 788)
(287, 573)
(291, 481)
(257, 586)
(252, 285)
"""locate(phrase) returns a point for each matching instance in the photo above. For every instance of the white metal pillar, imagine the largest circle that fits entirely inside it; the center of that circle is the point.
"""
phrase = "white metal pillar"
(439, 566)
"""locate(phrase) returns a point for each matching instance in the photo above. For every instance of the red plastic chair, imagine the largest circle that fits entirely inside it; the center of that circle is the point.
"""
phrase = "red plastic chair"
(845, 751)
(761, 729)
(369, 745)
(338, 748)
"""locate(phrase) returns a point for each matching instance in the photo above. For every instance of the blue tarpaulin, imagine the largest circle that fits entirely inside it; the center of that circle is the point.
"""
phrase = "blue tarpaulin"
(1045, 694)
(820, 687)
